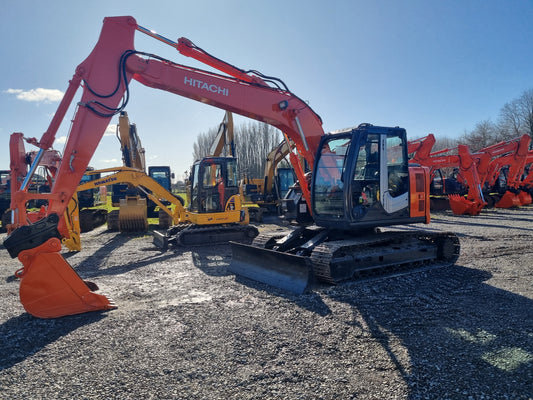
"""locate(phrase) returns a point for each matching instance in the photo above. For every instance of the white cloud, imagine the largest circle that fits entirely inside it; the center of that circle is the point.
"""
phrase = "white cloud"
(37, 95)
(113, 161)
(111, 130)
(61, 140)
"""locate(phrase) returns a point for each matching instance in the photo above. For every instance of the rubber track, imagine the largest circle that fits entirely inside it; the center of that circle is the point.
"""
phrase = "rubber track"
(447, 253)
(263, 238)
(193, 235)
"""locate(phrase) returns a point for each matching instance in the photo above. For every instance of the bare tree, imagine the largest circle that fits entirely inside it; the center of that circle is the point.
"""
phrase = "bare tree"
(253, 141)
(484, 134)
(526, 111)
(515, 119)
(444, 142)
(511, 123)
(203, 143)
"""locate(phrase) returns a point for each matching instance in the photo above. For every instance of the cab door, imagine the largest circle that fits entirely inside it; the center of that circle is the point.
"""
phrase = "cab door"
(380, 180)
(394, 182)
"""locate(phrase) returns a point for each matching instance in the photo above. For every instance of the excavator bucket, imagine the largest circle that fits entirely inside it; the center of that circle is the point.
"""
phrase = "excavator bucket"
(508, 200)
(461, 206)
(132, 215)
(50, 288)
(282, 270)
(525, 198)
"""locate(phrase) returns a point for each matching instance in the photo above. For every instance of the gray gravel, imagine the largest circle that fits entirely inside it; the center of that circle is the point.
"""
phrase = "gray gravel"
(187, 329)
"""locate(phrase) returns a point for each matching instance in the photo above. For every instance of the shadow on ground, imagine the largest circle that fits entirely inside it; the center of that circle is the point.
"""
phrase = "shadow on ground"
(23, 336)
(460, 332)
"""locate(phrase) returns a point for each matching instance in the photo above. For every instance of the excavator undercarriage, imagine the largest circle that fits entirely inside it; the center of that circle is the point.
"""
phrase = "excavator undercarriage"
(197, 235)
(314, 254)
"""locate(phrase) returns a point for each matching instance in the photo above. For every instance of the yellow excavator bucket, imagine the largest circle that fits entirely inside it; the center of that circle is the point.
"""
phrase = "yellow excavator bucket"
(50, 288)
(132, 216)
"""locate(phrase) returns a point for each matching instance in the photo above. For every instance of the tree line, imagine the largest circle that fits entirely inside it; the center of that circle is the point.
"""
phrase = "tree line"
(515, 119)
(253, 141)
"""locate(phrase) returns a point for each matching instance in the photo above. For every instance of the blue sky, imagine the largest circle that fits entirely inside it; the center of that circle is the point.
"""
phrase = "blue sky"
(428, 66)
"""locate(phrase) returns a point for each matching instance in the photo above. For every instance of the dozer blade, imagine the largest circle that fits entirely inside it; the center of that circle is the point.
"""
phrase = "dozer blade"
(132, 216)
(508, 200)
(160, 240)
(50, 288)
(282, 270)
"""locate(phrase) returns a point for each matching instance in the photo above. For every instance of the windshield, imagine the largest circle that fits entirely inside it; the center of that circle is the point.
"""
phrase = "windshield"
(329, 178)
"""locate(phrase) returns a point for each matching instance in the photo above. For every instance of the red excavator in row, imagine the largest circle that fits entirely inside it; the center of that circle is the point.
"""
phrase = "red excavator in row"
(526, 184)
(500, 169)
(361, 179)
(492, 176)
(459, 159)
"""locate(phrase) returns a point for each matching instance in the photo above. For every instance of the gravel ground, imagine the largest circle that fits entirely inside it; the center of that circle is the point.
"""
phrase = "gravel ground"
(187, 329)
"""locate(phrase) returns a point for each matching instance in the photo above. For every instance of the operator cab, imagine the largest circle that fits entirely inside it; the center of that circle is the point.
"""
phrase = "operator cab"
(213, 182)
(162, 175)
(361, 179)
(284, 179)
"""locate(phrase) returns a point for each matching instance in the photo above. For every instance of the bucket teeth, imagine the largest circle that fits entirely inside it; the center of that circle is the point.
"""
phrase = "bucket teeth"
(112, 303)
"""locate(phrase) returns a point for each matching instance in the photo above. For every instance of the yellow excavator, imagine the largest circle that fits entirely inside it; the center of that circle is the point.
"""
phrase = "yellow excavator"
(259, 195)
(215, 212)
(214, 215)
(132, 214)
(264, 195)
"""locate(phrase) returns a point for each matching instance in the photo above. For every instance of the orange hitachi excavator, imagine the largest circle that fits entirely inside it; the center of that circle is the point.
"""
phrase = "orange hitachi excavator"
(526, 183)
(458, 158)
(503, 188)
(361, 178)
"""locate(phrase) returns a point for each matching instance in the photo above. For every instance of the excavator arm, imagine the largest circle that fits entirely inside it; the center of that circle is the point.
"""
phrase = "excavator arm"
(49, 286)
(224, 143)
(474, 201)
(273, 159)
(420, 149)
(133, 155)
(459, 157)
(492, 159)
(137, 178)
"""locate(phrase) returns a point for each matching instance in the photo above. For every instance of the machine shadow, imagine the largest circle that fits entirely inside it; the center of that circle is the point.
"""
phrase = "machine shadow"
(95, 264)
(212, 260)
(502, 224)
(24, 335)
(488, 218)
(463, 336)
